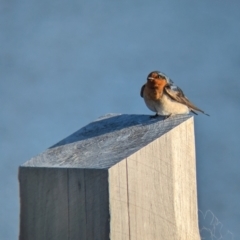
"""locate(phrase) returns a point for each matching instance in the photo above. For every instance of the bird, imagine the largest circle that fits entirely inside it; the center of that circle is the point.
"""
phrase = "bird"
(164, 98)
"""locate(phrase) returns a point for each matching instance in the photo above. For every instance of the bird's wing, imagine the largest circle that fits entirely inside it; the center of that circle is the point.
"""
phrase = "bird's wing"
(177, 94)
(142, 89)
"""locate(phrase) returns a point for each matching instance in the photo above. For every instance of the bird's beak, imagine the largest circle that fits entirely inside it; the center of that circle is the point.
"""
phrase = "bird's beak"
(150, 78)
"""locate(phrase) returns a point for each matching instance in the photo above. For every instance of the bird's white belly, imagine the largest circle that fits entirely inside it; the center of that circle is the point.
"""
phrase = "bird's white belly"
(166, 106)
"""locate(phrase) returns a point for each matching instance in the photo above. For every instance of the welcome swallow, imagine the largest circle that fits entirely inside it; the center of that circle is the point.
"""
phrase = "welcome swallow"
(164, 98)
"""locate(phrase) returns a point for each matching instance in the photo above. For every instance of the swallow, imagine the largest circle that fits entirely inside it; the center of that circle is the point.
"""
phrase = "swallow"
(164, 98)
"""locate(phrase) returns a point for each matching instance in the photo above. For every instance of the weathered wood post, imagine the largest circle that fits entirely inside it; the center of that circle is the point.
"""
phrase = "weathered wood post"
(122, 177)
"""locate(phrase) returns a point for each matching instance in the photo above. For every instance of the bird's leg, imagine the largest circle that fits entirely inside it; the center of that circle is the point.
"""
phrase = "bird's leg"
(154, 116)
(167, 116)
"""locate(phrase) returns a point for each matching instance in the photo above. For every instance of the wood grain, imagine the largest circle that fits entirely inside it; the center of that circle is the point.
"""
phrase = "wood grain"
(44, 203)
(122, 177)
(153, 192)
(105, 142)
(63, 204)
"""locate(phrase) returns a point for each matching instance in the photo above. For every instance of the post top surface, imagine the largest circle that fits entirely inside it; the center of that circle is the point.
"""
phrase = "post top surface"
(106, 141)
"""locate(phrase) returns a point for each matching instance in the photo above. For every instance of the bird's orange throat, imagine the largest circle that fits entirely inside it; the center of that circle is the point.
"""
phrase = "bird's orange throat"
(155, 88)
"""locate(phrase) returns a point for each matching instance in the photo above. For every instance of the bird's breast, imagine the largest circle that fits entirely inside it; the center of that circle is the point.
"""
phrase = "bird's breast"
(154, 89)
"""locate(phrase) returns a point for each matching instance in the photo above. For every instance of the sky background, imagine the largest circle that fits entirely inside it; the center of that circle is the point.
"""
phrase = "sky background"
(65, 63)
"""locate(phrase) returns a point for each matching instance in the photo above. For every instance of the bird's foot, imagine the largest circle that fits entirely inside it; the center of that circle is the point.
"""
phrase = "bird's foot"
(154, 116)
(163, 116)
(167, 116)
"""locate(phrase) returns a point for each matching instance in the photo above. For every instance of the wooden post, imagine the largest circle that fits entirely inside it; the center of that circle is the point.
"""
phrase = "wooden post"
(122, 177)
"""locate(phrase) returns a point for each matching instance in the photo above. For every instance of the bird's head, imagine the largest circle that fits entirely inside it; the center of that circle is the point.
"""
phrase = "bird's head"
(158, 76)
